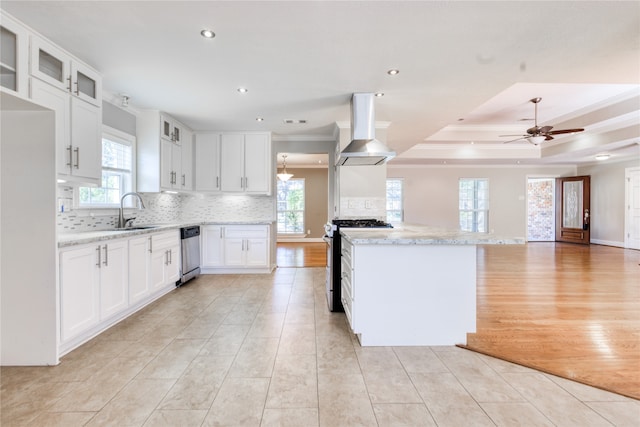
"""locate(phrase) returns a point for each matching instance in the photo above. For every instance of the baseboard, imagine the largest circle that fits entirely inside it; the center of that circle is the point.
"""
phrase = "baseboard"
(300, 240)
(608, 243)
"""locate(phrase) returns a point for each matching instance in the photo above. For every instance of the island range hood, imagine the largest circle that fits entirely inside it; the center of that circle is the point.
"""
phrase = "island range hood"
(364, 149)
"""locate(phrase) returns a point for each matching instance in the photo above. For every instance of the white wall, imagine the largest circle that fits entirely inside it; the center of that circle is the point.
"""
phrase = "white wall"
(431, 193)
(607, 200)
(28, 245)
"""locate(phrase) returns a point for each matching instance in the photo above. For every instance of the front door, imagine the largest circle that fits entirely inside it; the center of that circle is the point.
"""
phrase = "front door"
(573, 209)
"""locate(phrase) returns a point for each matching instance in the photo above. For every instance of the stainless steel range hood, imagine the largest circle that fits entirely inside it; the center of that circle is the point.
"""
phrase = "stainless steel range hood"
(364, 149)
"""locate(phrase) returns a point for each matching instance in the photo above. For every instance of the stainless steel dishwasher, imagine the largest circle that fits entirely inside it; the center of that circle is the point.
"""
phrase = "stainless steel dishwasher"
(190, 239)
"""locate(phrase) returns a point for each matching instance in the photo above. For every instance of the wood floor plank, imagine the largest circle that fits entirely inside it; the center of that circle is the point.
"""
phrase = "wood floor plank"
(566, 309)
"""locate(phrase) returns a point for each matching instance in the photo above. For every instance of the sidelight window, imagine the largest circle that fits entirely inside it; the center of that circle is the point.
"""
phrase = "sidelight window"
(474, 204)
(395, 200)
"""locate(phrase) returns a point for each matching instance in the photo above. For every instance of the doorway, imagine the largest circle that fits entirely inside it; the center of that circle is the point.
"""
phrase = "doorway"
(541, 209)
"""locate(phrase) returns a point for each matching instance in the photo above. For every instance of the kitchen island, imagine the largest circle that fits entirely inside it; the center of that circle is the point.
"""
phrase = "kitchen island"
(411, 285)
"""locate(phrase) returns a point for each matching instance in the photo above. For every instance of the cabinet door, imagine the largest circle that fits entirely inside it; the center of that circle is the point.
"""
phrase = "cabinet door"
(50, 64)
(207, 162)
(86, 125)
(234, 252)
(58, 101)
(86, 84)
(79, 291)
(139, 279)
(232, 162)
(14, 57)
(172, 267)
(186, 181)
(212, 244)
(166, 164)
(176, 166)
(114, 278)
(257, 252)
(256, 163)
(158, 262)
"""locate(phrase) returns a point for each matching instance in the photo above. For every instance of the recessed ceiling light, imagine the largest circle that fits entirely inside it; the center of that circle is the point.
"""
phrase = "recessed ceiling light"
(602, 157)
(243, 90)
(295, 121)
(472, 142)
(393, 72)
(259, 119)
(379, 94)
(207, 34)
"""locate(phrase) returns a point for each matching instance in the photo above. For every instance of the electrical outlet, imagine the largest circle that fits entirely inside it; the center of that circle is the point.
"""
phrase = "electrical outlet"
(367, 204)
(352, 204)
(308, 231)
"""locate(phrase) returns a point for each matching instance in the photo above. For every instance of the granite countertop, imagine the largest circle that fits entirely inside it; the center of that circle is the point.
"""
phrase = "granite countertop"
(413, 234)
(83, 237)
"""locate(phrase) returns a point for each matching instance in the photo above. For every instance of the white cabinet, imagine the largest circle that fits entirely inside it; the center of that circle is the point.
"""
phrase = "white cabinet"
(79, 291)
(235, 246)
(212, 246)
(164, 259)
(245, 162)
(139, 268)
(93, 285)
(56, 67)
(74, 92)
(207, 162)
(114, 270)
(186, 155)
(347, 281)
(161, 158)
(14, 56)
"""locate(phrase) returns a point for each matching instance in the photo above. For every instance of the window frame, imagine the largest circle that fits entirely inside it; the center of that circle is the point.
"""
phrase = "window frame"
(303, 210)
(401, 210)
(476, 210)
(121, 137)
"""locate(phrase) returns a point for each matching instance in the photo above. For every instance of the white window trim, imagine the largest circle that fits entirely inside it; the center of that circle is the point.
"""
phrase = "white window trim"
(486, 211)
(121, 137)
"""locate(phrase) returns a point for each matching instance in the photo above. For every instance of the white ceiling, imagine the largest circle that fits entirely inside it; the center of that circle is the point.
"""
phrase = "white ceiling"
(477, 61)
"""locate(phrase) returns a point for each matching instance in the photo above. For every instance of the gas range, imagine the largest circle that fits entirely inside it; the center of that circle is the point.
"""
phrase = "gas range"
(337, 224)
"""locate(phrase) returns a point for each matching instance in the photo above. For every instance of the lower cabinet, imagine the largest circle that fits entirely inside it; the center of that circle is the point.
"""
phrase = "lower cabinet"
(235, 247)
(104, 282)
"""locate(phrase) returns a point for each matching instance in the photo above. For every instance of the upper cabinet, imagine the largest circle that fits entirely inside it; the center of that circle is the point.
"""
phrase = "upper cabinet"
(207, 162)
(165, 153)
(245, 163)
(52, 65)
(14, 56)
(35, 68)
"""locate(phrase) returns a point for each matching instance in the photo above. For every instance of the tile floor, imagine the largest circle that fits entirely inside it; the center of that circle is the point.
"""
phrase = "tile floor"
(262, 350)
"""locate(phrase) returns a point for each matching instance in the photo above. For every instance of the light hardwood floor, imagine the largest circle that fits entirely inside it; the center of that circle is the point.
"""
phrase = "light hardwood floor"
(565, 309)
(312, 254)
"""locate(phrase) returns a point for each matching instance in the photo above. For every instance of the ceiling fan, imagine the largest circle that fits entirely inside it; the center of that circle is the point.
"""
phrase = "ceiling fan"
(537, 134)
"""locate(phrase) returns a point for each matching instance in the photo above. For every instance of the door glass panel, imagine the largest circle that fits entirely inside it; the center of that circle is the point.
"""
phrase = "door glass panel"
(50, 65)
(176, 134)
(572, 204)
(86, 85)
(8, 59)
(166, 128)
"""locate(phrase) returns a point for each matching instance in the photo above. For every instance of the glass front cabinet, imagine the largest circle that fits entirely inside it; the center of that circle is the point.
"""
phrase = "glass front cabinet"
(14, 56)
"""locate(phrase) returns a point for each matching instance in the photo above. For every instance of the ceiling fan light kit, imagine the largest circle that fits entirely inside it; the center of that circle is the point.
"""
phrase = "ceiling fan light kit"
(536, 135)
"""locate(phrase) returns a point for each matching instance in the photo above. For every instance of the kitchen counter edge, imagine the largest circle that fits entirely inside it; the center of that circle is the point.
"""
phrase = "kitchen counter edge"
(86, 237)
(409, 234)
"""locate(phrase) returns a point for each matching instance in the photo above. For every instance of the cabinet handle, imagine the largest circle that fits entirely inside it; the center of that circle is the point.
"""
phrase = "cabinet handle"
(170, 256)
(69, 80)
(77, 91)
(241, 182)
(217, 182)
(77, 151)
(246, 183)
(166, 257)
(99, 258)
(106, 256)
(70, 156)
(184, 180)
(150, 245)
(247, 245)
(221, 228)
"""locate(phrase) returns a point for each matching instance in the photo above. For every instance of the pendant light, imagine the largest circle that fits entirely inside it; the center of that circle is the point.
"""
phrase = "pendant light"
(284, 176)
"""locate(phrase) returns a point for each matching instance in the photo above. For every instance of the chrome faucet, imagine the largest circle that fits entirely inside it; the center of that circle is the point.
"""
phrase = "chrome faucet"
(122, 223)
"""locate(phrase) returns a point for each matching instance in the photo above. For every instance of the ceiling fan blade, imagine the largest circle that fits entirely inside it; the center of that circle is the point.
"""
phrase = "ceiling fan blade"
(514, 140)
(558, 132)
(548, 137)
(546, 129)
(521, 136)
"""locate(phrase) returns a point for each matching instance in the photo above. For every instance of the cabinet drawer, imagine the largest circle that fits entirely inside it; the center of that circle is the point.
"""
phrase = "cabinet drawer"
(164, 240)
(246, 232)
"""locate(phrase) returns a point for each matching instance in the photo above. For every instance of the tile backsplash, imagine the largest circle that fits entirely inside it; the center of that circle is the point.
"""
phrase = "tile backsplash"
(164, 208)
